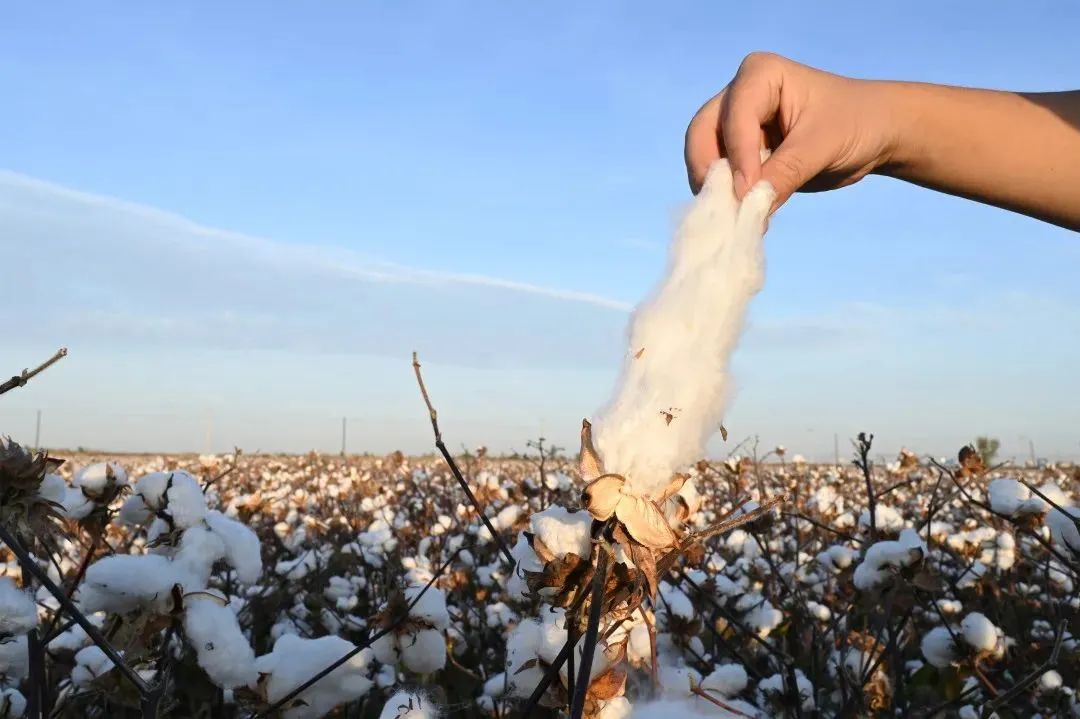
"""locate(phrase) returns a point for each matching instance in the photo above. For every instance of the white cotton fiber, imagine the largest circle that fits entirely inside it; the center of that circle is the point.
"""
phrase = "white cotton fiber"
(125, 582)
(295, 660)
(213, 631)
(18, 613)
(14, 661)
(980, 632)
(682, 337)
(242, 548)
(409, 705)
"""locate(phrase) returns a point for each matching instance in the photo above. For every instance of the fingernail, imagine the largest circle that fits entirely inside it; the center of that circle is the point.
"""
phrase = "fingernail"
(741, 185)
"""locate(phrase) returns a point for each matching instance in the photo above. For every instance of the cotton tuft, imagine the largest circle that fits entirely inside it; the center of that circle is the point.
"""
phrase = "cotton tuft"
(675, 381)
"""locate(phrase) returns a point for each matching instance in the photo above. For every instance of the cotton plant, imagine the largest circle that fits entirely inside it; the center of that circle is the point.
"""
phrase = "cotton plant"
(187, 540)
(417, 620)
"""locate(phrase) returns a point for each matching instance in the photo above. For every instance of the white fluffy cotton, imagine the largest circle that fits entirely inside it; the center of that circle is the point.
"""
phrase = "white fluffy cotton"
(18, 614)
(242, 549)
(409, 705)
(125, 582)
(223, 652)
(295, 660)
(681, 338)
(980, 632)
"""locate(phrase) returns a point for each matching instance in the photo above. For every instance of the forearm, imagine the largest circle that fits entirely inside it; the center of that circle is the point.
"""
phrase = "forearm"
(1017, 151)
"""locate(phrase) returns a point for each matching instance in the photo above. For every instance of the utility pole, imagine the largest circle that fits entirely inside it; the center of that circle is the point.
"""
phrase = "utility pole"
(344, 425)
(1031, 449)
(836, 448)
(37, 432)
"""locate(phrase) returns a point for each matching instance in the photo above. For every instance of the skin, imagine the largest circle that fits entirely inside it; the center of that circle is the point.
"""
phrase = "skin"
(1019, 151)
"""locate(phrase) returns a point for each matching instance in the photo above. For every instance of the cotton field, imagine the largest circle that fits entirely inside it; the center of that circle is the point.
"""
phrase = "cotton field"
(225, 585)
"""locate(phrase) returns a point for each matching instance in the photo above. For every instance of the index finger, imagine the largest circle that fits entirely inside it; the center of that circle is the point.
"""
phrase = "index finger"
(701, 147)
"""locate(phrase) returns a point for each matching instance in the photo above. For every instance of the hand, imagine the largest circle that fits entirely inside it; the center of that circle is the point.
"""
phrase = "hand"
(825, 131)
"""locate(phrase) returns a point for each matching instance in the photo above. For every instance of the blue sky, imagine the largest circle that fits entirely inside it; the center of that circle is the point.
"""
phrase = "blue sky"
(241, 217)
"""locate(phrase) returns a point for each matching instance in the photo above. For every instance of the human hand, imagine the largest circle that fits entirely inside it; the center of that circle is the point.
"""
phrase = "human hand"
(825, 131)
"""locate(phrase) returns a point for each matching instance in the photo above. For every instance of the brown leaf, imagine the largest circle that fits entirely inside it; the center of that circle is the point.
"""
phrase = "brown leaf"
(608, 685)
(723, 431)
(644, 522)
(637, 355)
(527, 665)
(645, 561)
(538, 546)
(589, 463)
(602, 495)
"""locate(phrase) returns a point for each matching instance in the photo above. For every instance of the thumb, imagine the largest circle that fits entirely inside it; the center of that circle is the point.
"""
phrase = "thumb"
(794, 163)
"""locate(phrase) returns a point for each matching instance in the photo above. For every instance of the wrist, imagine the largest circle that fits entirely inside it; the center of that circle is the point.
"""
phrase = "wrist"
(897, 108)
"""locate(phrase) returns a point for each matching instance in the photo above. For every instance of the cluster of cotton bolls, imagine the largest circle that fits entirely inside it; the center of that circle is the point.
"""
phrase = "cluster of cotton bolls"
(248, 575)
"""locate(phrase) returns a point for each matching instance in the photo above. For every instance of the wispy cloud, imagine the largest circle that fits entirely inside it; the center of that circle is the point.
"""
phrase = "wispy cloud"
(99, 270)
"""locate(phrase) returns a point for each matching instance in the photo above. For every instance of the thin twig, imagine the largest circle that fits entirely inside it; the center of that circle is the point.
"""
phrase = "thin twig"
(20, 380)
(507, 554)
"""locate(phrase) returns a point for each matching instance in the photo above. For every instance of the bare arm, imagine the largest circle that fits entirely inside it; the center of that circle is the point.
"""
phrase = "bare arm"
(1017, 151)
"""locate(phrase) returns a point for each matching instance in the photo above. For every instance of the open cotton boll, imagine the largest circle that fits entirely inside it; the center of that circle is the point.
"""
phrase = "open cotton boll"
(295, 660)
(14, 661)
(124, 582)
(242, 547)
(90, 663)
(423, 651)
(199, 549)
(682, 337)
(12, 704)
(53, 489)
(430, 605)
(97, 478)
(223, 652)
(522, 649)
(939, 648)
(563, 531)
(980, 632)
(176, 493)
(1063, 527)
(409, 705)
(886, 519)
(881, 556)
(727, 679)
(18, 613)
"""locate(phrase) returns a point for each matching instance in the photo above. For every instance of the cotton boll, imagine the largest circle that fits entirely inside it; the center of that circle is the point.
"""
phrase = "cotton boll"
(409, 705)
(14, 661)
(727, 679)
(771, 690)
(242, 547)
(939, 648)
(682, 337)
(90, 663)
(96, 479)
(176, 493)
(295, 660)
(199, 550)
(1063, 527)
(430, 605)
(76, 505)
(53, 489)
(223, 652)
(424, 651)
(12, 704)
(1050, 681)
(886, 518)
(523, 646)
(1006, 496)
(125, 582)
(562, 531)
(18, 613)
(980, 632)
